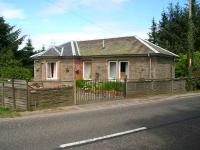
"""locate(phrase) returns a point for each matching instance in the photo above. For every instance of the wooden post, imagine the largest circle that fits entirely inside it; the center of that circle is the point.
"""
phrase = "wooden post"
(13, 92)
(74, 87)
(3, 102)
(27, 96)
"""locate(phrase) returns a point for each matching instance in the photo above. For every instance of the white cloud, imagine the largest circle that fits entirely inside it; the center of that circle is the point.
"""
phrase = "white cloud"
(9, 11)
(63, 6)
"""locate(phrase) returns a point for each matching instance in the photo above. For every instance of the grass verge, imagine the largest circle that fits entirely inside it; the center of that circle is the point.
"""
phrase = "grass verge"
(8, 113)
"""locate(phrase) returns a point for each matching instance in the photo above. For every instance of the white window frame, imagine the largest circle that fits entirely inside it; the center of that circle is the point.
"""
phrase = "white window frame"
(120, 68)
(56, 70)
(84, 70)
(109, 70)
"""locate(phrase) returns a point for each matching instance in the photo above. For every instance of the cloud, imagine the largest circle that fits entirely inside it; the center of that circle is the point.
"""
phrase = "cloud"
(63, 6)
(9, 11)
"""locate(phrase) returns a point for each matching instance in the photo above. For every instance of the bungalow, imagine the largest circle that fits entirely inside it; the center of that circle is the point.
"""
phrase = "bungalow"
(105, 59)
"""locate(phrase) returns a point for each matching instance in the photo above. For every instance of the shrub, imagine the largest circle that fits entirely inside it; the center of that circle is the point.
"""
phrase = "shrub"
(104, 85)
(16, 73)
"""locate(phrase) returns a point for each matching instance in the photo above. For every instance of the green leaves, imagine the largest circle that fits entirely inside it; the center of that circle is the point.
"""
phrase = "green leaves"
(14, 64)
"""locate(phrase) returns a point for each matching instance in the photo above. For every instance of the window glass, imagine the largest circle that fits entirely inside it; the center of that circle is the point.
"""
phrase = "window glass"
(113, 70)
(87, 70)
(51, 70)
(123, 70)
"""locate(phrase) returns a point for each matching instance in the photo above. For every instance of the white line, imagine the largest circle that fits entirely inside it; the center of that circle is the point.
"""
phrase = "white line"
(101, 138)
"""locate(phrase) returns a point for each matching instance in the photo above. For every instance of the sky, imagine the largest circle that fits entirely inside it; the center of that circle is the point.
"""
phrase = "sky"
(53, 22)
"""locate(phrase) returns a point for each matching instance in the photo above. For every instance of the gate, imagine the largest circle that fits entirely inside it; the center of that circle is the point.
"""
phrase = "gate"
(88, 91)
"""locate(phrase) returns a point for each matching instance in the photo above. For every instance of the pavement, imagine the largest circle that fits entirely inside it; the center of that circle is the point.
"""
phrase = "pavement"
(172, 122)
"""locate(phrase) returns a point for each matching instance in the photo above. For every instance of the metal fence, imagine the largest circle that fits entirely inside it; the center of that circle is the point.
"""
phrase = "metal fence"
(88, 91)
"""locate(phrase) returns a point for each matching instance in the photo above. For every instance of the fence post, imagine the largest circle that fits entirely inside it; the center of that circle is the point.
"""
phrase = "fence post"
(3, 103)
(13, 92)
(27, 96)
(172, 86)
(74, 87)
(125, 86)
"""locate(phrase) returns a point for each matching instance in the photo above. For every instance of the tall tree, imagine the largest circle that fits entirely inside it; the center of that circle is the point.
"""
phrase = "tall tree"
(10, 65)
(25, 54)
(10, 40)
(153, 37)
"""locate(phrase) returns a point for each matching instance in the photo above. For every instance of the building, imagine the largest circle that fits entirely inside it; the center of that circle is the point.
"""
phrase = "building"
(102, 59)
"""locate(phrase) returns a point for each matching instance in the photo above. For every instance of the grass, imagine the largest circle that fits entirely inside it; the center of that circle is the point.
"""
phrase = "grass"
(8, 113)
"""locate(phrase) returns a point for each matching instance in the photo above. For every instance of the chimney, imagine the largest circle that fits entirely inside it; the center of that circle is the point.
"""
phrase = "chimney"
(103, 44)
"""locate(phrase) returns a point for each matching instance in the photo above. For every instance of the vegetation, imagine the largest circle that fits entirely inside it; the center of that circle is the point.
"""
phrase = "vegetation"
(105, 85)
(8, 113)
(179, 33)
(14, 63)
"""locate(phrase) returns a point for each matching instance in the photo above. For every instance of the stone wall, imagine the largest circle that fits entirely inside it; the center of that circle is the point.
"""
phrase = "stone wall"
(42, 98)
(154, 87)
(140, 68)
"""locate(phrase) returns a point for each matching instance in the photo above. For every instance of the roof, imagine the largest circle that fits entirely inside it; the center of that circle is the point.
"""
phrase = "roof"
(131, 45)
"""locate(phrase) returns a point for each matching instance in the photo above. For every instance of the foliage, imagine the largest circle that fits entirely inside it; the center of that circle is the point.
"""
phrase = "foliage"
(14, 63)
(104, 85)
(9, 41)
(181, 64)
(111, 85)
(153, 33)
(15, 73)
(172, 29)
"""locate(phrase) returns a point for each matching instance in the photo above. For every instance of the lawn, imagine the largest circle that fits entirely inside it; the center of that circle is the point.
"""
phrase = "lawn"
(8, 113)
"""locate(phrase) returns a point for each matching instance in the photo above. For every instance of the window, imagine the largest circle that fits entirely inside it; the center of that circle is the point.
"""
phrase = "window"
(117, 70)
(87, 70)
(123, 70)
(112, 72)
(51, 70)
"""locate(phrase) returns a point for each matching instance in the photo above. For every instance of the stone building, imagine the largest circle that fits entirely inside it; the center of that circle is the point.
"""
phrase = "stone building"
(112, 58)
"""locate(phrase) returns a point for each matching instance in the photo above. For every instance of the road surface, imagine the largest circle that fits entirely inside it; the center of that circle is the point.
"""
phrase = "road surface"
(173, 124)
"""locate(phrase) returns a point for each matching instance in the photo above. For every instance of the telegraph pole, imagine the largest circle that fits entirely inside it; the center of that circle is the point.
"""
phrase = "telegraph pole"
(190, 45)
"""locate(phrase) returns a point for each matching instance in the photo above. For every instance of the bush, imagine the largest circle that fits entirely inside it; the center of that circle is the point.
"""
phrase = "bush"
(104, 85)
(16, 73)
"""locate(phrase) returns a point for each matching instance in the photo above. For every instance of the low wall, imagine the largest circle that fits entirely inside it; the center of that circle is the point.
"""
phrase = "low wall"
(41, 98)
(51, 84)
(152, 87)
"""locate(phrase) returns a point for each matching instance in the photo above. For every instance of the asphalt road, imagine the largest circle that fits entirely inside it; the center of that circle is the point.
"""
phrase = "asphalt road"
(173, 124)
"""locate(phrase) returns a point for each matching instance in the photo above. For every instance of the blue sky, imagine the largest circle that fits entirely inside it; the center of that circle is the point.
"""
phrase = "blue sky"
(52, 22)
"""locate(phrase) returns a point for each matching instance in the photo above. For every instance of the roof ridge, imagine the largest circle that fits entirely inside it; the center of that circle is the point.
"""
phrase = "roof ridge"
(73, 48)
(146, 44)
(78, 50)
(54, 47)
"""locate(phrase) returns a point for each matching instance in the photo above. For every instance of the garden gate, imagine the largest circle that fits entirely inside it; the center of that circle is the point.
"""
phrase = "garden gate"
(88, 91)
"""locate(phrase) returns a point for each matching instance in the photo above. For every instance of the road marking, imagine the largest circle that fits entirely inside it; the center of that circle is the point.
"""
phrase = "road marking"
(101, 138)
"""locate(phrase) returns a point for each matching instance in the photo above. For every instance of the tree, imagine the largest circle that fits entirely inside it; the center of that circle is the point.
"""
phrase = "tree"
(9, 42)
(153, 34)
(10, 58)
(25, 54)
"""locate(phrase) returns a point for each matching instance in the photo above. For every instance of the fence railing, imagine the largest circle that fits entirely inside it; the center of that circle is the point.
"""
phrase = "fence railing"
(99, 90)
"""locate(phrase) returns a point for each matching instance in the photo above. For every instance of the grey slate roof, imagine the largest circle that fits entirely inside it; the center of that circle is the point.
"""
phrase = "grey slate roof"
(132, 45)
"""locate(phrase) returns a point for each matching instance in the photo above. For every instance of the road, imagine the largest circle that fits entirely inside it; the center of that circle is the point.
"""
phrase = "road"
(173, 124)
